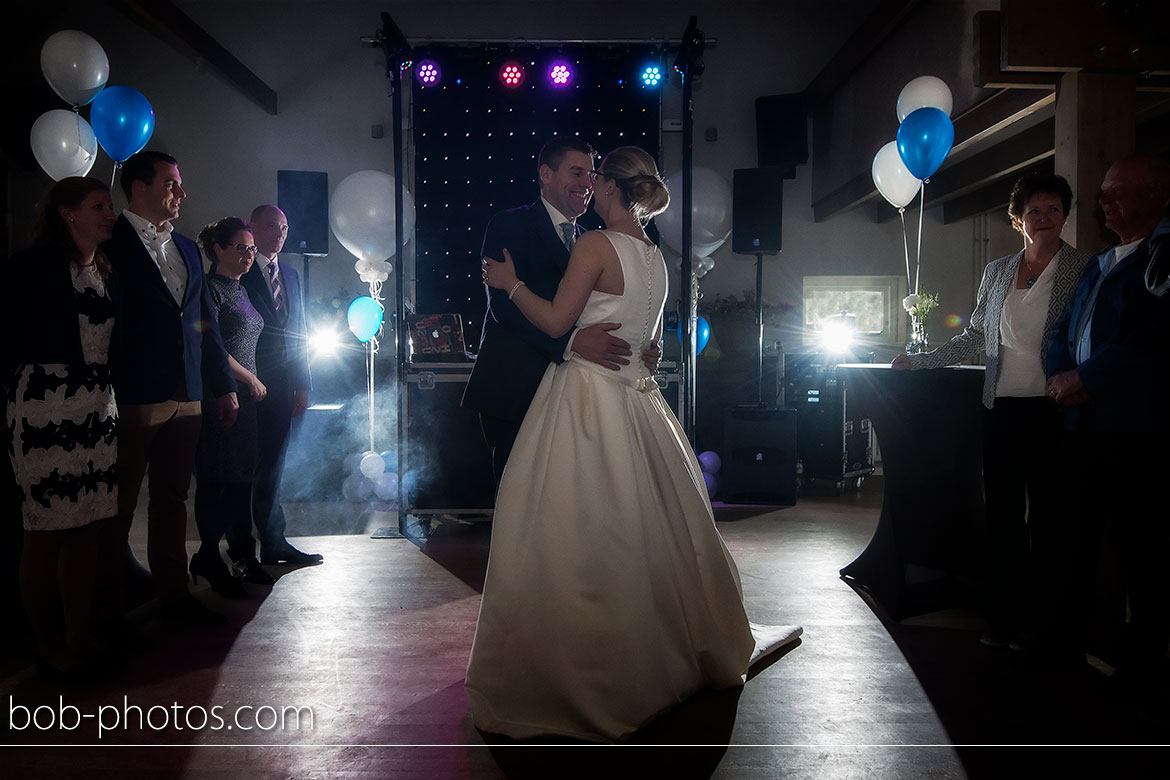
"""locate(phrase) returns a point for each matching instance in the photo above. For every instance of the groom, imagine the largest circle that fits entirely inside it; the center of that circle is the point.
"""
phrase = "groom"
(514, 353)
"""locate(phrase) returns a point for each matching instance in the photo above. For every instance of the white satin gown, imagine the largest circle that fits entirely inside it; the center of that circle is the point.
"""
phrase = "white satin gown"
(610, 596)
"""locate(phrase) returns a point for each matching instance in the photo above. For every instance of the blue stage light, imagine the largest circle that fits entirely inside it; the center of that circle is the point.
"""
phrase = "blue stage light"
(651, 75)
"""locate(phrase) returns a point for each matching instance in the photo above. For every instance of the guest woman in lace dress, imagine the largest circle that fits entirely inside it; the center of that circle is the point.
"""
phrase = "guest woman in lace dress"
(57, 325)
(226, 459)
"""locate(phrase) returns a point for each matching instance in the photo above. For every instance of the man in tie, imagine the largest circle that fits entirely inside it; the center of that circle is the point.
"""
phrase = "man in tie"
(282, 363)
(513, 353)
(1108, 365)
(166, 353)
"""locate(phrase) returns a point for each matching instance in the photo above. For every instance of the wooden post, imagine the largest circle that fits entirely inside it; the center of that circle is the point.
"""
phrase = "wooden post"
(1095, 119)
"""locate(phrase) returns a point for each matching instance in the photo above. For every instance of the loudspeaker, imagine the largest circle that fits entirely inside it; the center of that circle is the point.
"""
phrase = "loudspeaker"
(782, 132)
(759, 462)
(303, 196)
(757, 211)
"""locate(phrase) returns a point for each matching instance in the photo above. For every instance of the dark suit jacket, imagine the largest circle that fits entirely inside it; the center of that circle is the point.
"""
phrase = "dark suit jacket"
(39, 316)
(282, 356)
(514, 353)
(1130, 360)
(158, 342)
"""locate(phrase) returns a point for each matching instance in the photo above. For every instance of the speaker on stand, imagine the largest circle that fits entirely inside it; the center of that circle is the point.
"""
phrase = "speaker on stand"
(759, 440)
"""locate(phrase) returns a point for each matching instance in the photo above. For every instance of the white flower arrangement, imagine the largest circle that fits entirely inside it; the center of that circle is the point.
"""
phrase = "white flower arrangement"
(919, 306)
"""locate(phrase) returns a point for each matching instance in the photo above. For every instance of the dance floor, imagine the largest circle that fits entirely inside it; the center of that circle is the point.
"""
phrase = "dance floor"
(371, 647)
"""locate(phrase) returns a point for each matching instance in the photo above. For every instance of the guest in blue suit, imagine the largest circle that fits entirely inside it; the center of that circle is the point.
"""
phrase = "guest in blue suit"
(165, 345)
(1108, 365)
(282, 362)
(513, 353)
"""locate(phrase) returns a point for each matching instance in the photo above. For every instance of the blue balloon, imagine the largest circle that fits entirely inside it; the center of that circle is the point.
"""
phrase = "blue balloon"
(924, 140)
(365, 318)
(702, 334)
(390, 458)
(122, 120)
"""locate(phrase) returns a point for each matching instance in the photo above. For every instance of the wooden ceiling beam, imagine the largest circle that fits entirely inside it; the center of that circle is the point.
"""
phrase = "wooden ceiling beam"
(861, 44)
(170, 23)
(990, 116)
(992, 196)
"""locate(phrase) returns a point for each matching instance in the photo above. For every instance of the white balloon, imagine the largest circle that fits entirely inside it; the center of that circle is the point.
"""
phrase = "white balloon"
(924, 92)
(361, 213)
(892, 178)
(710, 212)
(63, 143)
(372, 465)
(386, 486)
(75, 65)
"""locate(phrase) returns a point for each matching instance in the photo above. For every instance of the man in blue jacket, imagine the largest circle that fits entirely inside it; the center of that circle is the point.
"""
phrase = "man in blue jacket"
(166, 347)
(1108, 365)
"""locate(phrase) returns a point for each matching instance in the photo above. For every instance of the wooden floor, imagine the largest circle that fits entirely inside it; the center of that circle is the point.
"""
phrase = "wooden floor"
(374, 644)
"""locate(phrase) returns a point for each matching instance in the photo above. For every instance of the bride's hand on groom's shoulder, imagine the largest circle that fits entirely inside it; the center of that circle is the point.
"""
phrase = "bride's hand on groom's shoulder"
(500, 274)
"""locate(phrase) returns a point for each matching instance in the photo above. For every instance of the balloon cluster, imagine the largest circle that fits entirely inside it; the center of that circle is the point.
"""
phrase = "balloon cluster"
(710, 217)
(924, 139)
(121, 118)
(361, 214)
(710, 463)
(925, 136)
(372, 474)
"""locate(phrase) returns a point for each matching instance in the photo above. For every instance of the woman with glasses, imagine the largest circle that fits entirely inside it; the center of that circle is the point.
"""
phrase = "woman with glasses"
(226, 459)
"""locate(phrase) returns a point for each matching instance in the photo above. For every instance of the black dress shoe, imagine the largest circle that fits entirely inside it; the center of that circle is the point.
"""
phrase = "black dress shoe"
(289, 554)
(250, 570)
(190, 611)
(216, 572)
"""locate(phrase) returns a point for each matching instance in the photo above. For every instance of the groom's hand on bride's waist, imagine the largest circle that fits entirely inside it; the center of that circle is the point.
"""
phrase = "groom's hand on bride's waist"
(596, 345)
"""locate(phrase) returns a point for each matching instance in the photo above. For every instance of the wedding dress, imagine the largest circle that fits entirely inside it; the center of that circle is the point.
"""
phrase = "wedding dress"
(610, 596)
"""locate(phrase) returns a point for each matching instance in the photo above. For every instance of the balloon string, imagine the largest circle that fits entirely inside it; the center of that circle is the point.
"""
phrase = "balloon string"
(918, 260)
(906, 246)
(372, 344)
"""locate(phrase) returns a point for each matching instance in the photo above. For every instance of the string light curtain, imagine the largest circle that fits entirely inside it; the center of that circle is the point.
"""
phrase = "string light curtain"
(476, 145)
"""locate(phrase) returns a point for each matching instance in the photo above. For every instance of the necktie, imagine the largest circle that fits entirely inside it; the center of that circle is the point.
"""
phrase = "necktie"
(568, 235)
(277, 291)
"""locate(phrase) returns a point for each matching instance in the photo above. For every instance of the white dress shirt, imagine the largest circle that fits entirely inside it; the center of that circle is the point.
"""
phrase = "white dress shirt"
(163, 251)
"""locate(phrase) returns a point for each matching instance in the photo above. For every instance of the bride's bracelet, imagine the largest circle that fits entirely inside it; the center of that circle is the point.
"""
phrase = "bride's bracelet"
(515, 287)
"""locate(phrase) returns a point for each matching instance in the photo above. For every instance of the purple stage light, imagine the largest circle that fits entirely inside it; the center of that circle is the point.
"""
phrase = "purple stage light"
(428, 73)
(560, 74)
(512, 74)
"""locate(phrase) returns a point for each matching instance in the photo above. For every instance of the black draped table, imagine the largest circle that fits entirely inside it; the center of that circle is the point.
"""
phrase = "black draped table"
(924, 555)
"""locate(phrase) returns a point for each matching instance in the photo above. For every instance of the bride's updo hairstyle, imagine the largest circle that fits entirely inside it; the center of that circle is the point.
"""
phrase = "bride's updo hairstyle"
(636, 175)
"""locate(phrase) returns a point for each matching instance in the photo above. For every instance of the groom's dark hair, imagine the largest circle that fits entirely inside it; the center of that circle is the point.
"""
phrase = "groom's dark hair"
(553, 153)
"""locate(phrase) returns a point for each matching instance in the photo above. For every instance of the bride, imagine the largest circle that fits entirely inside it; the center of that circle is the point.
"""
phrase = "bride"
(610, 596)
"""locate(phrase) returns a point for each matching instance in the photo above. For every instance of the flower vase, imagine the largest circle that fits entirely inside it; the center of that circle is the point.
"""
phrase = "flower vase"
(918, 338)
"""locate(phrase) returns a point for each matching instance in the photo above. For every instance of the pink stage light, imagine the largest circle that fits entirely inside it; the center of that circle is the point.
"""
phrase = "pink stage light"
(512, 74)
(560, 75)
(428, 73)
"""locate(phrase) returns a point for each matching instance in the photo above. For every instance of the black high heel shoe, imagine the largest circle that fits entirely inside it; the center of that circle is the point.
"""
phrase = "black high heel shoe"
(215, 571)
(249, 570)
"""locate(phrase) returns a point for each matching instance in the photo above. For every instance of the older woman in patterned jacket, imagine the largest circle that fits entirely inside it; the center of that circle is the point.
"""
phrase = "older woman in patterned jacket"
(1020, 299)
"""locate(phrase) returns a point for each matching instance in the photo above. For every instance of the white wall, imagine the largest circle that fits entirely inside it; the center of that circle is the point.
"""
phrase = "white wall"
(331, 91)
